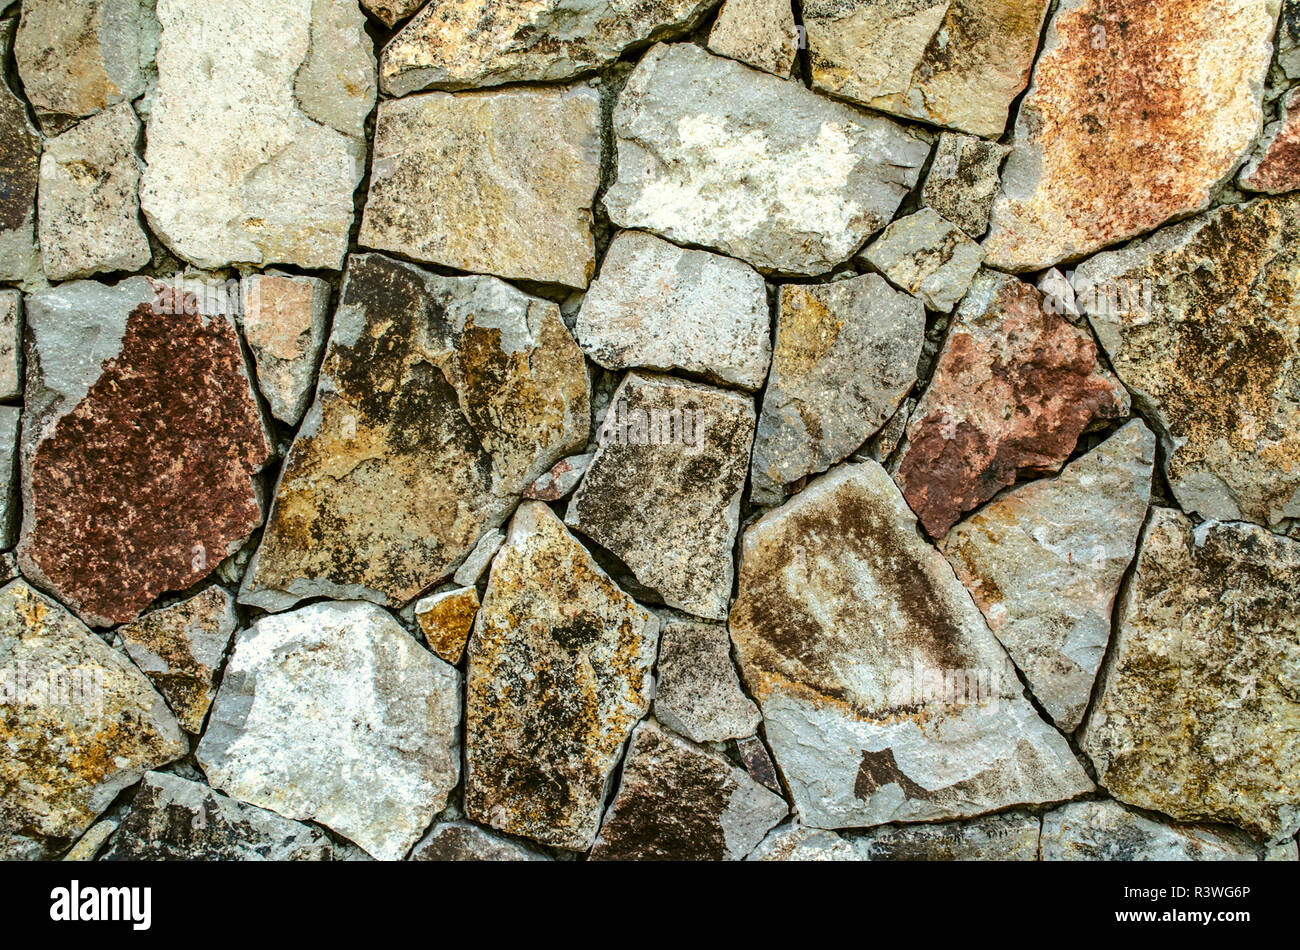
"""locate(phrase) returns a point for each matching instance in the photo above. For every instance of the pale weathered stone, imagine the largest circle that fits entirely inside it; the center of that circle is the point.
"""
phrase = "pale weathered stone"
(498, 182)
(1044, 564)
(713, 153)
(470, 43)
(92, 842)
(1013, 389)
(561, 480)
(466, 841)
(759, 33)
(697, 692)
(255, 142)
(1012, 836)
(333, 713)
(1202, 323)
(142, 444)
(285, 319)
(1275, 167)
(477, 561)
(963, 180)
(89, 206)
(446, 620)
(440, 399)
(956, 63)
(663, 490)
(846, 355)
(929, 257)
(1199, 710)
(885, 696)
(1107, 831)
(78, 725)
(680, 802)
(1101, 151)
(391, 12)
(20, 160)
(10, 422)
(180, 648)
(11, 344)
(559, 673)
(659, 306)
(794, 842)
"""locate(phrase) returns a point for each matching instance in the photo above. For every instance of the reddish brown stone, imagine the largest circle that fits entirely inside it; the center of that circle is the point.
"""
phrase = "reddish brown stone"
(1278, 168)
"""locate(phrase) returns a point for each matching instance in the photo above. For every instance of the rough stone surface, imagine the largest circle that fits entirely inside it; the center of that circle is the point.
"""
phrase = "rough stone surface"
(663, 490)
(1044, 564)
(89, 206)
(498, 182)
(679, 802)
(20, 161)
(440, 399)
(466, 841)
(929, 257)
(793, 842)
(477, 561)
(884, 694)
(1198, 715)
(697, 692)
(11, 344)
(141, 445)
(758, 763)
(446, 620)
(1012, 836)
(1275, 168)
(1288, 39)
(1107, 831)
(1101, 152)
(964, 179)
(181, 647)
(1202, 323)
(846, 354)
(10, 422)
(334, 713)
(78, 725)
(662, 307)
(759, 33)
(559, 673)
(561, 480)
(92, 842)
(956, 63)
(285, 319)
(1013, 389)
(713, 153)
(256, 134)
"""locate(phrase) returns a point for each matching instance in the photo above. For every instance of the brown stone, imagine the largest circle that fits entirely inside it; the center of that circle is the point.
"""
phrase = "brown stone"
(20, 162)
(446, 620)
(1277, 169)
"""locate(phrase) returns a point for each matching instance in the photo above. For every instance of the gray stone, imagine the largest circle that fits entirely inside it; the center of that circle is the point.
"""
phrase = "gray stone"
(1288, 39)
(20, 160)
(1107, 831)
(285, 319)
(561, 480)
(477, 561)
(10, 512)
(1011, 836)
(697, 692)
(929, 257)
(392, 12)
(794, 842)
(466, 841)
(759, 33)
(964, 179)
(11, 344)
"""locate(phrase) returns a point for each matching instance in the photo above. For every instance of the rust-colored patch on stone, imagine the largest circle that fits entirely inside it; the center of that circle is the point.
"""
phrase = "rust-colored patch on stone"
(446, 621)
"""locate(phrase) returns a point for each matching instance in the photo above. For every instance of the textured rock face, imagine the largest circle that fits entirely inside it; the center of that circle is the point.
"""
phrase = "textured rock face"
(494, 182)
(929, 257)
(11, 344)
(78, 724)
(1102, 154)
(89, 208)
(759, 33)
(446, 621)
(561, 480)
(884, 694)
(333, 713)
(440, 399)
(662, 307)
(1201, 323)
(758, 762)
(1044, 564)
(1007, 837)
(663, 490)
(391, 12)
(559, 673)
(20, 159)
(172, 819)
(1014, 387)
(1199, 713)
(794, 842)
(963, 181)
(10, 420)
(697, 692)
(1107, 831)
(255, 159)
(1288, 39)
(715, 154)
(679, 802)
(463, 841)
(956, 63)
(141, 445)
(1276, 166)
(846, 354)
(285, 319)
(486, 43)
(477, 561)
(180, 648)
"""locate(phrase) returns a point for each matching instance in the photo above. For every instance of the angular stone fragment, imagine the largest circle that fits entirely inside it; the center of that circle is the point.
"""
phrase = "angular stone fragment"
(10, 421)
(846, 355)
(754, 757)
(1137, 114)
(180, 648)
(956, 63)
(713, 153)
(78, 724)
(697, 692)
(486, 43)
(89, 206)
(333, 713)
(1044, 564)
(254, 158)
(392, 12)
(141, 446)
(440, 399)
(1275, 168)
(1014, 387)
(446, 621)
(662, 307)
(92, 842)
(559, 673)
(1288, 39)
(679, 802)
(1012, 836)
(477, 561)
(963, 180)
(465, 841)
(884, 694)
(929, 257)
(285, 319)
(1202, 322)
(20, 160)
(1107, 831)
(11, 344)
(497, 182)
(759, 33)
(172, 819)
(663, 490)
(794, 842)
(1199, 710)
(560, 480)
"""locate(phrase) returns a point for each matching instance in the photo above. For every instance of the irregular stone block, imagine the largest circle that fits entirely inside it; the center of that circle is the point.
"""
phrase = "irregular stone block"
(10, 421)
(20, 161)
(794, 842)
(759, 33)
(697, 692)
(391, 12)
(758, 763)
(285, 318)
(11, 344)
(1107, 831)
(465, 841)
(1275, 167)
(561, 480)
(927, 256)
(477, 561)
(446, 620)
(1012, 836)
(964, 179)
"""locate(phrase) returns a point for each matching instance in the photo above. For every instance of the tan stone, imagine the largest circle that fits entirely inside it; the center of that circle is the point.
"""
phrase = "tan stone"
(285, 319)
(759, 33)
(446, 620)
